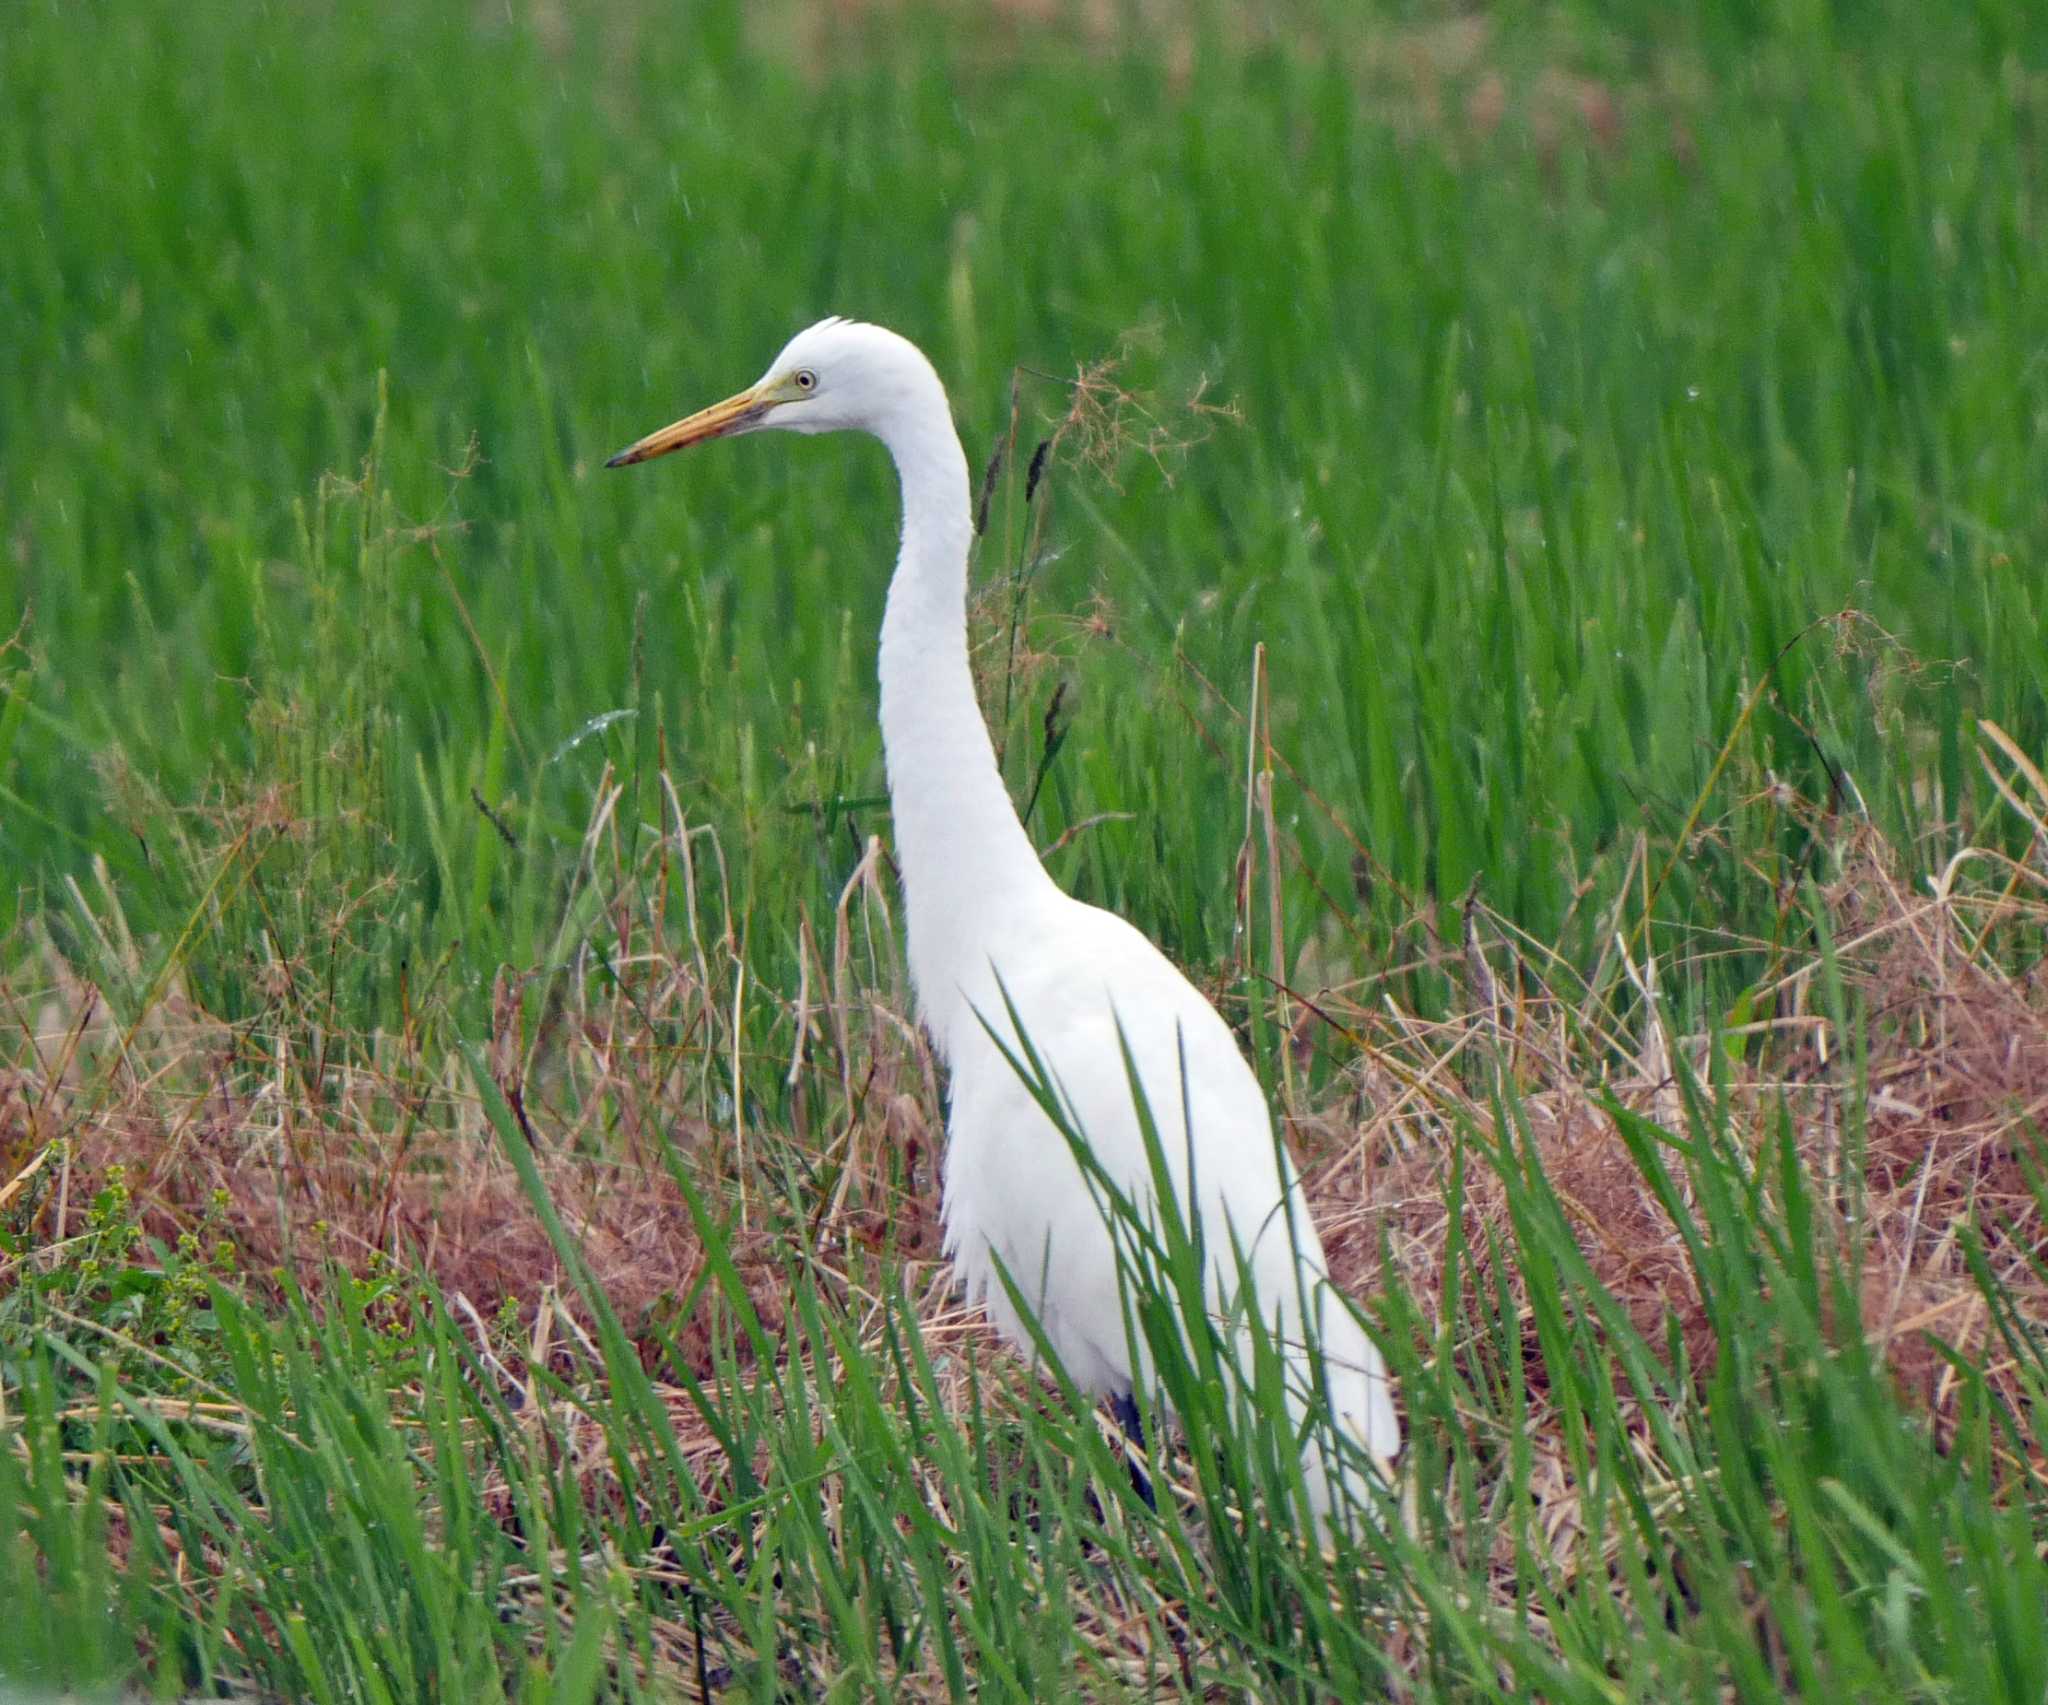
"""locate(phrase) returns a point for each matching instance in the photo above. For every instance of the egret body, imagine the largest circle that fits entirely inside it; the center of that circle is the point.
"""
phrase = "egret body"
(990, 933)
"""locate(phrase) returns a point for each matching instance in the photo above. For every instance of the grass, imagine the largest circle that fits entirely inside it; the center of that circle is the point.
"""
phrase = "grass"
(1566, 522)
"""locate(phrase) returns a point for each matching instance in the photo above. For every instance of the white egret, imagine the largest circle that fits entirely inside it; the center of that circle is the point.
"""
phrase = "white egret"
(990, 933)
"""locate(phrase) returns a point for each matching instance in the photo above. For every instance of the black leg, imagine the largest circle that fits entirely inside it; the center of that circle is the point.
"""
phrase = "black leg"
(1125, 1409)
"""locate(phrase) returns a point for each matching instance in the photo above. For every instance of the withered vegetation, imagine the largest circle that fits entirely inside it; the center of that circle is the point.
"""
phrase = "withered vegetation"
(1904, 1046)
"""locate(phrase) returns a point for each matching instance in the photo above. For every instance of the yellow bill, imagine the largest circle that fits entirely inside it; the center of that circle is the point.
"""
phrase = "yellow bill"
(735, 414)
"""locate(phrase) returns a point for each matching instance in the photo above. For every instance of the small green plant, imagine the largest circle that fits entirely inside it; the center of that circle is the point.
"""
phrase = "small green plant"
(146, 1307)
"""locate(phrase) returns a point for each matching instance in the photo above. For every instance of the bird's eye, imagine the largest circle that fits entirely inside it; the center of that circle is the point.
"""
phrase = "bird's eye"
(806, 380)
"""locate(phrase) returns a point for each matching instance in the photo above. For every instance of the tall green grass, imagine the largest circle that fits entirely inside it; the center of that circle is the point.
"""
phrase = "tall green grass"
(1556, 436)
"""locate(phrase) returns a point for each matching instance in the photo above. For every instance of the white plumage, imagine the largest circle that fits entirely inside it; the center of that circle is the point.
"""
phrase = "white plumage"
(985, 922)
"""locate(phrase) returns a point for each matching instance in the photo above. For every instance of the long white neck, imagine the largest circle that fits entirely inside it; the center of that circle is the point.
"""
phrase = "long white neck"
(965, 859)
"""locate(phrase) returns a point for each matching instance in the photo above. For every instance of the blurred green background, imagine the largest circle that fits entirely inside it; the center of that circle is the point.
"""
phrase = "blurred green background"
(1585, 355)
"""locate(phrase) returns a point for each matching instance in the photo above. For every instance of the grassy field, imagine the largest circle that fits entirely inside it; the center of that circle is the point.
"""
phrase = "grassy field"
(1535, 598)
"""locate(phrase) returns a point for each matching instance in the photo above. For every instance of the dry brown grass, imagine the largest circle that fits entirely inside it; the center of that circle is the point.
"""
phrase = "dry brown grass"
(1459, 78)
(1930, 1132)
(373, 1150)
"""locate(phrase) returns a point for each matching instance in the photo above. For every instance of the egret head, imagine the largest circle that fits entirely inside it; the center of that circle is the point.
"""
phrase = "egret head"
(835, 376)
